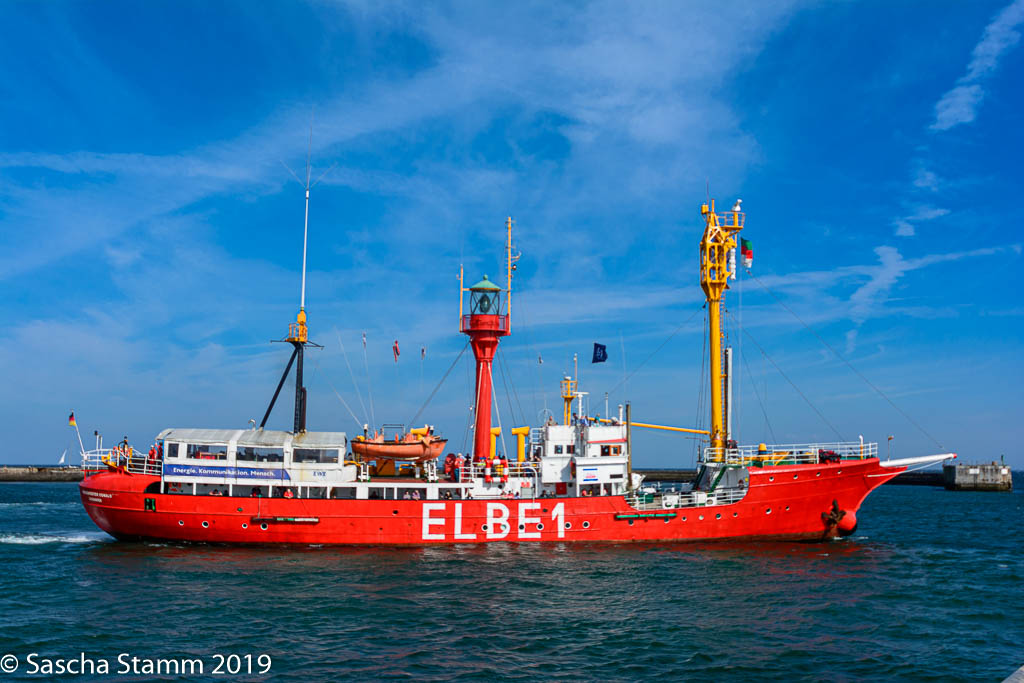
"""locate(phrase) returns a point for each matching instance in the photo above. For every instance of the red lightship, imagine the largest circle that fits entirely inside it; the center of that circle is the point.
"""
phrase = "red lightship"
(566, 482)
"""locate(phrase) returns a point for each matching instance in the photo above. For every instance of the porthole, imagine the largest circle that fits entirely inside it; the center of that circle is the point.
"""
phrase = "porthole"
(631, 522)
(684, 519)
(667, 520)
(735, 514)
(568, 525)
(586, 525)
(244, 525)
(700, 517)
(771, 478)
(839, 471)
(787, 508)
(484, 527)
(181, 523)
(540, 526)
(394, 512)
(817, 474)
(768, 511)
(522, 527)
(206, 525)
(794, 476)
(239, 509)
(718, 516)
(263, 526)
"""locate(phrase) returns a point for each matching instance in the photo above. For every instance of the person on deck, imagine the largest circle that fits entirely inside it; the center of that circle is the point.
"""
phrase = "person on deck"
(287, 494)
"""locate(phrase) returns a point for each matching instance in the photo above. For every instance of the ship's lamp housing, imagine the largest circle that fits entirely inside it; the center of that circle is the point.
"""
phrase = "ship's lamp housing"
(485, 298)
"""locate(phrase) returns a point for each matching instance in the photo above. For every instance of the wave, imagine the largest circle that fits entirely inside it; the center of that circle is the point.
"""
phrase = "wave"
(40, 539)
(40, 503)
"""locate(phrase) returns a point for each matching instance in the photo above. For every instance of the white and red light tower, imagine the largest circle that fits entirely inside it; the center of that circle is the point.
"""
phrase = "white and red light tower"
(486, 324)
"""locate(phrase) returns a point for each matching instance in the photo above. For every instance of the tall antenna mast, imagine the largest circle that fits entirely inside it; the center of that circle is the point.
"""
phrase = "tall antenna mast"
(298, 332)
(305, 226)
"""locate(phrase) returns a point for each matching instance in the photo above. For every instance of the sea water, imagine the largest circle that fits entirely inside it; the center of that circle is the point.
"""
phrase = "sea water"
(930, 587)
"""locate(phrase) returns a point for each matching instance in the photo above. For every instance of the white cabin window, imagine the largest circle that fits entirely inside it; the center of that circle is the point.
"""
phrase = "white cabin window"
(259, 454)
(321, 455)
(207, 451)
(170, 450)
(570, 449)
(558, 449)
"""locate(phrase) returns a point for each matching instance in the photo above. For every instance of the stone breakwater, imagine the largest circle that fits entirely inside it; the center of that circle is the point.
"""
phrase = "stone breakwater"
(32, 473)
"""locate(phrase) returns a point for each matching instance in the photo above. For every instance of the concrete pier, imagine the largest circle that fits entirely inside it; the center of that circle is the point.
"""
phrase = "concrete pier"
(32, 473)
(989, 477)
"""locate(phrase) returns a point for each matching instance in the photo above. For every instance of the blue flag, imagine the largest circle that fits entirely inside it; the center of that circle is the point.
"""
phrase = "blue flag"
(600, 353)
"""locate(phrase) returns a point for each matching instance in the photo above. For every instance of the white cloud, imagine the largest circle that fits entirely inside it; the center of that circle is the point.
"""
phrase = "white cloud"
(905, 227)
(866, 301)
(960, 104)
(925, 179)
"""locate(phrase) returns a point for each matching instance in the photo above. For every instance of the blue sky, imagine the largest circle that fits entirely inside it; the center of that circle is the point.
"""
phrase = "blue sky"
(150, 236)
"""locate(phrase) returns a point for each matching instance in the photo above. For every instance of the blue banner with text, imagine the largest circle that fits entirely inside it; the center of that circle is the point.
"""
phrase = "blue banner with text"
(172, 470)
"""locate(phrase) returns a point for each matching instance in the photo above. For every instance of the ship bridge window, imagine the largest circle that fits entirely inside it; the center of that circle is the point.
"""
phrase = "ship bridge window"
(321, 455)
(558, 449)
(207, 452)
(570, 449)
(256, 454)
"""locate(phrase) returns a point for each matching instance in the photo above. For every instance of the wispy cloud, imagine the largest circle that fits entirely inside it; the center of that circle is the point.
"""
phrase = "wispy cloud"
(905, 226)
(869, 297)
(960, 104)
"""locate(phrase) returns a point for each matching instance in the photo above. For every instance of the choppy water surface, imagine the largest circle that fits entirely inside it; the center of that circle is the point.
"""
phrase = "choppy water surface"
(930, 587)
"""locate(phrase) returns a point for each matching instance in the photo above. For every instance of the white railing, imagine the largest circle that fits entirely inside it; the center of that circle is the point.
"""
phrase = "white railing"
(136, 462)
(527, 469)
(670, 500)
(791, 454)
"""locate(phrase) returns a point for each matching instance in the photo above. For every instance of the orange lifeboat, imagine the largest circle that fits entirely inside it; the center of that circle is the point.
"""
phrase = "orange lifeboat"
(417, 446)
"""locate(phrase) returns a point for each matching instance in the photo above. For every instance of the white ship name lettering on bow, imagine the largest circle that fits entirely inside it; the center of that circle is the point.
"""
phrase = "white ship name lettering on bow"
(430, 521)
(497, 520)
(459, 535)
(526, 522)
(558, 517)
(444, 521)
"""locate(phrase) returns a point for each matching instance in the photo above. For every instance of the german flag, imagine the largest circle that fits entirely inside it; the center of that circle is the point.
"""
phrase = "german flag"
(71, 420)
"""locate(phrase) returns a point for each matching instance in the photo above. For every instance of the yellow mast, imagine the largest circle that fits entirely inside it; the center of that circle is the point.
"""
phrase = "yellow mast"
(568, 394)
(717, 256)
(511, 264)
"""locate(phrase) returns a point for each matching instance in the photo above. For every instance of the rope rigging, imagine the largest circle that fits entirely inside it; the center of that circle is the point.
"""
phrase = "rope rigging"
(507, 372)
(791, 383)
(760, 402)
(655, 352)
(846, 362)
(351, 374)
(434, 392)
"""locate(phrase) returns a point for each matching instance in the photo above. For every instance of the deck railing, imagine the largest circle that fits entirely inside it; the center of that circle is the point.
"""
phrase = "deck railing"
(791, 454)
(137, 462)
(671, 500)
(525, 470)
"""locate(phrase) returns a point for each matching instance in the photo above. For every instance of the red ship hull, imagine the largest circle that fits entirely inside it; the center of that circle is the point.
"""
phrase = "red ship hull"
(783, 502)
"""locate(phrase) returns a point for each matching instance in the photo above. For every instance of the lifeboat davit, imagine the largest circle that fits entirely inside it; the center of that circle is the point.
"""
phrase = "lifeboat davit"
(418, 445)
